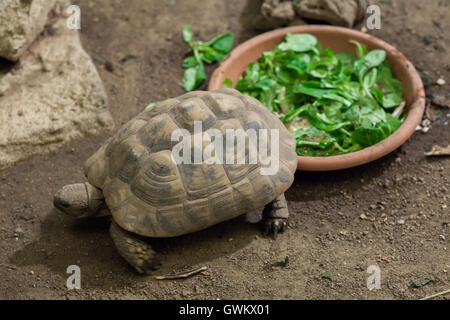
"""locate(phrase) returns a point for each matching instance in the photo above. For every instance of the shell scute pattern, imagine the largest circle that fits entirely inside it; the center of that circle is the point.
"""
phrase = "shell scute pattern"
(161, 107)
(282, 178)
(222, 204)
(189, 111)
(243, 194)
(171, 220)
(156, 134)
(223, 105)
(150, 195)
(137, 216)
(201, 180)
(264, 189)
(158, 182)
(197, 212)
(124, 159)
(116, 192)
(129, 129)
(96, 168)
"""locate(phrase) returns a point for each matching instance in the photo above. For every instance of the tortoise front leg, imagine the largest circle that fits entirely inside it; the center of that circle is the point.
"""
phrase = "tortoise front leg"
(134, 250)
(276, 215)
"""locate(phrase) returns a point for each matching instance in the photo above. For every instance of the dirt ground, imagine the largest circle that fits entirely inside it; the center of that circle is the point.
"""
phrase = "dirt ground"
(393, 213)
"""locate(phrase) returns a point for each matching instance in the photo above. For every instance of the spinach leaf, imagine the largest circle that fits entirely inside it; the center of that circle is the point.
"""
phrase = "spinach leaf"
(187, 33)
(222, 43)
(347, 59)
(392, 100)
(374, 58)
(365, 113)
(370, 136)
(300, 42)
(367, 136)
(189, 62)
(209, 52)
(193, 77)
(361, 50)
(228, 83)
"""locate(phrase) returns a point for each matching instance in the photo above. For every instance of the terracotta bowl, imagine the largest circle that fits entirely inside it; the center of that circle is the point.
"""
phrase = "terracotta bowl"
(338, 39)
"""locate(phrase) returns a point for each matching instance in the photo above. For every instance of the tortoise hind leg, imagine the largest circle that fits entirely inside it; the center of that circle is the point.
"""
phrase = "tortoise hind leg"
(135, 251)
(276, 215)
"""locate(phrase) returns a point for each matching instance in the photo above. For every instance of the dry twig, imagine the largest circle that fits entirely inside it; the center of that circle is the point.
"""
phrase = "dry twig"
(182, 275)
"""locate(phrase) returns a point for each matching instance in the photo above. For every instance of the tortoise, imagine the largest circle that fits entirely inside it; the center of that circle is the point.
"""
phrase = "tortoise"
(133, 177)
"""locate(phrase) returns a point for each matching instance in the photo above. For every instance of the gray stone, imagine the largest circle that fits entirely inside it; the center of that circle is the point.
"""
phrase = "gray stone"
(21, 21)
(52, 96)
(337, 12)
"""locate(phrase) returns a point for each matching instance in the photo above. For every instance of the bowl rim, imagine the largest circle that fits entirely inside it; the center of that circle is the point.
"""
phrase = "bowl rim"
(357, 158)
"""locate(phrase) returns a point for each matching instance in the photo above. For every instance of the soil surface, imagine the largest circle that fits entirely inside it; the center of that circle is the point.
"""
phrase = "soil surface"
(393, 213)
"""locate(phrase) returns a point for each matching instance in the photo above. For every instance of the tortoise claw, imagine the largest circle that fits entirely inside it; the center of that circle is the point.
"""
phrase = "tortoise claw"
(274, 226)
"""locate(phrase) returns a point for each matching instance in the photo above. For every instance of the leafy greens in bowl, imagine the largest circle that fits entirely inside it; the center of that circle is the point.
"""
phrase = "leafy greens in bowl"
(332, 103)
(341, 41)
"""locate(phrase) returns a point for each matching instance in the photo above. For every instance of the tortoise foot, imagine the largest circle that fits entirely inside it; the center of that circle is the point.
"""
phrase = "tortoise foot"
(275, 225)
(276, 216)
(135, 251)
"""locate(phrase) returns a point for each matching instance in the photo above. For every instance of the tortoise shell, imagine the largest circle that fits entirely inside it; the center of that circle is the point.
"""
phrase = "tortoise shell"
(150, 195)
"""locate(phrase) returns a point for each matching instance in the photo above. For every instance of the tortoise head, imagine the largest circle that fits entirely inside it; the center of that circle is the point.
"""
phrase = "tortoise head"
(79, 200)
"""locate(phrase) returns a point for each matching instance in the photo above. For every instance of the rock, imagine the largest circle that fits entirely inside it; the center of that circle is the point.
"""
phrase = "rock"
(20, 23)
(186, 293)
(52, 96)
(18, 233)
(275, 13)
(337, 12)
(438, 151)
(440, 82)
(425, 129)
(109, 66)
(441, 101)
(270, 14)
(280, 12)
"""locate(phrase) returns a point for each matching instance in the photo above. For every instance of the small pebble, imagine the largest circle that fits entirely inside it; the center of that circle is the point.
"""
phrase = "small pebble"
(440, 82)
(109, 66)
(442, 101)
(186, 294)
(401, 221)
